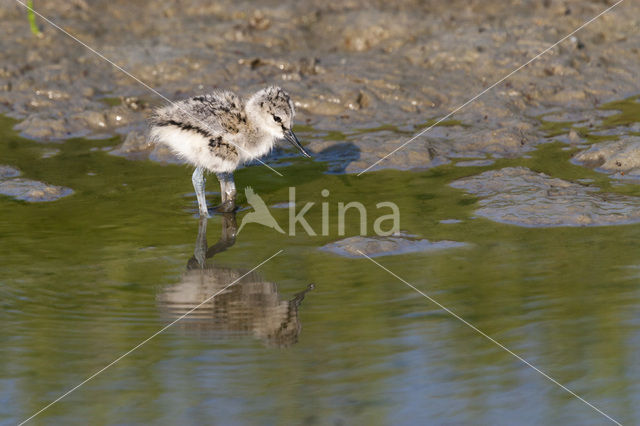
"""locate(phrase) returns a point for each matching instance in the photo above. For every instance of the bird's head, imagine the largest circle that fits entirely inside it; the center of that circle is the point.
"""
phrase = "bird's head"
(272, 110)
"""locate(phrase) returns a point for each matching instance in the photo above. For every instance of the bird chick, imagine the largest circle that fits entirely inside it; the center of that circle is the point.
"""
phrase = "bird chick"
(218, 132)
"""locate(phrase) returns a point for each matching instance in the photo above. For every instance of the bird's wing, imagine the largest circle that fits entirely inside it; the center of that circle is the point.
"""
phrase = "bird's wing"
(214, 114)
(183, 116)
(223, 111)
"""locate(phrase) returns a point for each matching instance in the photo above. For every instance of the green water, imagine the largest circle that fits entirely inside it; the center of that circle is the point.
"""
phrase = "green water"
(83, 279)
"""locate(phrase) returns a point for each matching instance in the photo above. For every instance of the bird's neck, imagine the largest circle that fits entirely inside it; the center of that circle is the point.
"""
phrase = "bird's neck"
(256, 135)
(257, 140)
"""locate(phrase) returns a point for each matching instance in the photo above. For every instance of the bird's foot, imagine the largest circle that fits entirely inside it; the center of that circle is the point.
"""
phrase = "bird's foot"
(204, 214)
(226, 207)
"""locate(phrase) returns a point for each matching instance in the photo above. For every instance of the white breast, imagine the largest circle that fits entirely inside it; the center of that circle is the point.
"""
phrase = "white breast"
(193, 148)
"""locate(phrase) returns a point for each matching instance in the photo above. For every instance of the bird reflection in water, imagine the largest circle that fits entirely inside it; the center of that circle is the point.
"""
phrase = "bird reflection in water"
(251, 306)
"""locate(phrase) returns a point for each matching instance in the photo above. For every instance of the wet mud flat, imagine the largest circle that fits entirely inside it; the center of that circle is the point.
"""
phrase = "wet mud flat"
(349, 65)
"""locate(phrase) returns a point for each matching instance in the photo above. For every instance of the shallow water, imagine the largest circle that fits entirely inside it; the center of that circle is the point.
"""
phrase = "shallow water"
(86, 278)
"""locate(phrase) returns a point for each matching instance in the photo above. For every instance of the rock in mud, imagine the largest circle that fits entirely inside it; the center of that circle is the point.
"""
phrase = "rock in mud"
(93, 120)
(519, 196)
(32, 190)
(620, 158)
(43, 128)
(8, 172)
(386, 246)
(134, 142)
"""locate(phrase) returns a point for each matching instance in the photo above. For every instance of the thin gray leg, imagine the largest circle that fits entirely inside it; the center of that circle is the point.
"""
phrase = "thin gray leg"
(199, 180)
(223, 186)
(227, 192)
(230, 191)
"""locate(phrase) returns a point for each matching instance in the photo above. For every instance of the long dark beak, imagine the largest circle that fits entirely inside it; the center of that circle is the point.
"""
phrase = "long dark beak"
(291, 137)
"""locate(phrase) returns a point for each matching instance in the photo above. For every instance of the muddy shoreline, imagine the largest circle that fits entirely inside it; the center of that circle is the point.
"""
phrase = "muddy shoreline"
(365, 77)
(348, 67)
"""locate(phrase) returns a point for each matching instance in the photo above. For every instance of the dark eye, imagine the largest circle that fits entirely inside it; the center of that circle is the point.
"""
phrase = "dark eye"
(277, 119)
